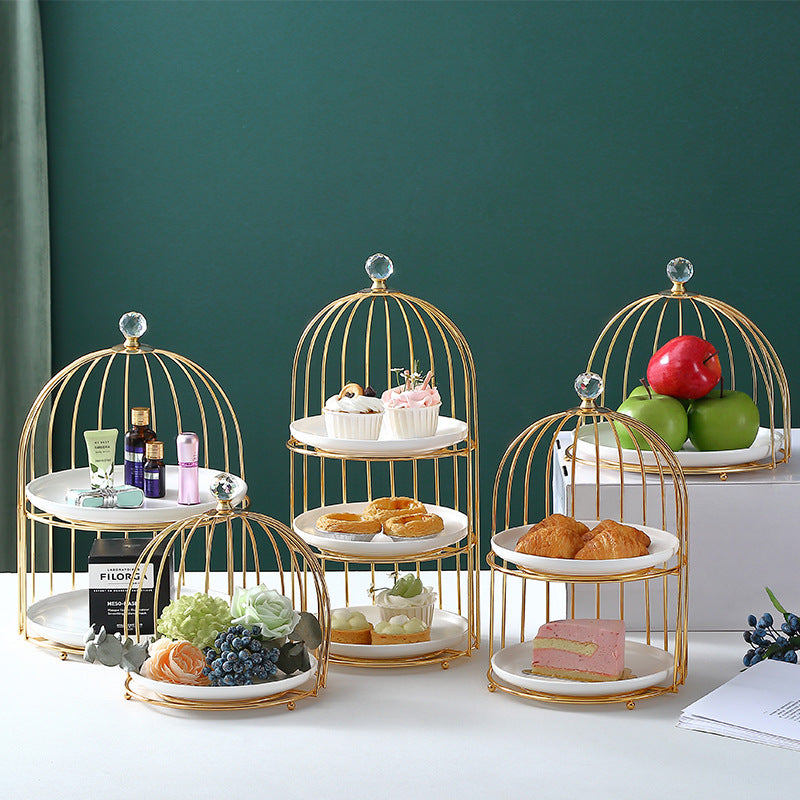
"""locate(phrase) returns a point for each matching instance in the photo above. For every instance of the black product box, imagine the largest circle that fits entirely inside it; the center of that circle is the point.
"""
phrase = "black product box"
(111, 567)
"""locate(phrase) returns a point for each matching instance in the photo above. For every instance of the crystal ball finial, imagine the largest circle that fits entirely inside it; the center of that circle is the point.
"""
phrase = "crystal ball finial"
(588, 385)
(679, 270)
(379, 267)
(133, 324)
(223, 486)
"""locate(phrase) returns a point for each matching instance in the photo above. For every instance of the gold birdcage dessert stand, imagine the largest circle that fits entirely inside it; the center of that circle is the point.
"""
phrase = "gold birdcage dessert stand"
(244, 547)
(365, 337)
(634, 334)
(653, 585)
(98, 390)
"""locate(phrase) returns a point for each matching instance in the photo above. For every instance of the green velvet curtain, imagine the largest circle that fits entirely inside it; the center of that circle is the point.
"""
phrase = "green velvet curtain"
(24, 245)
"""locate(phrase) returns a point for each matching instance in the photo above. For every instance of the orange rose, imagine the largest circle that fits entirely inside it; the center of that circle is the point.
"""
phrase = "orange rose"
(175, 662)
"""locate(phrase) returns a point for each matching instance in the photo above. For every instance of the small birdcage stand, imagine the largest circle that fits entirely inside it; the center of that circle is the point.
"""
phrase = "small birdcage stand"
(523, 586)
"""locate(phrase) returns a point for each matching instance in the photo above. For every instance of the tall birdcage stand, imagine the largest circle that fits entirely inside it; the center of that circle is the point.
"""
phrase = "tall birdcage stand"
(97, 391)
(527, 588)
(366, 337)
(231, 546)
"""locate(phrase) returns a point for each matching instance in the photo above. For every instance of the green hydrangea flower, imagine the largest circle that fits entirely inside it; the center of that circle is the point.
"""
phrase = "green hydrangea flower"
(196, 618)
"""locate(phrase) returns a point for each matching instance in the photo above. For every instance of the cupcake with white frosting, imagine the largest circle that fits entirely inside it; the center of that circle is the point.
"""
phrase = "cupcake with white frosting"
(354, 413)
(408, 596)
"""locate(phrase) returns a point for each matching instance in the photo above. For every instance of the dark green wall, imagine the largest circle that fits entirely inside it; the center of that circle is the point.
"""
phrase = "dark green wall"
(227, 167)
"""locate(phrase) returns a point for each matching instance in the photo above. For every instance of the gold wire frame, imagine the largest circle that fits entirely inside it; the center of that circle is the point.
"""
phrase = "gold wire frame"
(535, 447)
(342, 343)
(718, 322)
(127, 370)
(296, 567)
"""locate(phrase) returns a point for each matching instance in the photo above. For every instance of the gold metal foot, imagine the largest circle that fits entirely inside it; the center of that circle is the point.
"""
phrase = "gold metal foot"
(128, 696)
(62, 655)
(445, 665)
(723, 476)
(491, 687)
(630, 705)
(290, 705)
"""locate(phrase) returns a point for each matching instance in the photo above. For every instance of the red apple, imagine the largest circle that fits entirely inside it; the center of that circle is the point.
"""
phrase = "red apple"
(686, 367)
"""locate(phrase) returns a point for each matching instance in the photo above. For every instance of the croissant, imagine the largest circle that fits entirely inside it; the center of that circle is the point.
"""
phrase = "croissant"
(556, 536)
(615, 527)
(613, 544)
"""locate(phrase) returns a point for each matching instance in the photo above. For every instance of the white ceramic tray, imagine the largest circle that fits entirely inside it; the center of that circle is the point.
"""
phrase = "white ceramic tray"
(455, 528)
(448, 630)
(311, 431)
(47, 493)
(650, 666)
(61, 618)
(687, 457)
(663, 546)
(217, 693)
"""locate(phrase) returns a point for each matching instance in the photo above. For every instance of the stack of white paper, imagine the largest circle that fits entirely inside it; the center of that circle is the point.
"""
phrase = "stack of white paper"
(761, 704)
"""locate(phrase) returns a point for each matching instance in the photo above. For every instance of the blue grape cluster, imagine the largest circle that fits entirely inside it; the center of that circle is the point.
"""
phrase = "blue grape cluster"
(239, 658)
(768, 642)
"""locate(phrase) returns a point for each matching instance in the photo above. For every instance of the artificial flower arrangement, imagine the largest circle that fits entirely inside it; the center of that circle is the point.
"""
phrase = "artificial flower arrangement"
(204, 641)
(767, 642)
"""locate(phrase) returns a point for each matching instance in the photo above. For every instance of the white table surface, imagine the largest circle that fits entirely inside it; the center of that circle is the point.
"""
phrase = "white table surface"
(405, 733)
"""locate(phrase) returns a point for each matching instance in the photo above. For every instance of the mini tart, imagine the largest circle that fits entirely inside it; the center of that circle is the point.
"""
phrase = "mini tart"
(384, 508)
(400, 638)
(414, 525)
(348, 523)
(350, 635)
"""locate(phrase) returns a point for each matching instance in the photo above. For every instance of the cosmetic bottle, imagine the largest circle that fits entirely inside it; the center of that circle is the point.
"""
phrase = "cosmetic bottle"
(101, 445)
(188, 449)
(135, 441)
(155, 484)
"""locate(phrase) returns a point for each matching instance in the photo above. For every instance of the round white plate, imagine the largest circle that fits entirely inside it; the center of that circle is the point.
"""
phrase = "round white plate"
(455, 528)
(447, 630)
(61, 618)
(215, 693)
(47, 493)
(686, 457)
(311, 431)
(663, 546)
(650, 665)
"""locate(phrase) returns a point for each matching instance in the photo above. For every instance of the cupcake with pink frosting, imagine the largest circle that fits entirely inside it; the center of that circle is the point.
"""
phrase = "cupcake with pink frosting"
(412, 409)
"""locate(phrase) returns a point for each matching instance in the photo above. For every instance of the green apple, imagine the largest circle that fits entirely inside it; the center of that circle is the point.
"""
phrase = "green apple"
(664, 414)
(723, 420)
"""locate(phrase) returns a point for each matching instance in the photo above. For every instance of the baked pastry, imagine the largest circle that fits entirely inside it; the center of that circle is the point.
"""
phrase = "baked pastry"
(350, 627)
(412, 409)
(408, 596)
(387, 507)
(400, 630)
(410, 526)
(556, 536)
(580, 649)
(348, 523)
(614, 526)
(354, 413)
(621, 542)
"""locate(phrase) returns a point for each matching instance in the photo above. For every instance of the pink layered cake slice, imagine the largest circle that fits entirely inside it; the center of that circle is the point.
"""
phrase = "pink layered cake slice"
(580, 649)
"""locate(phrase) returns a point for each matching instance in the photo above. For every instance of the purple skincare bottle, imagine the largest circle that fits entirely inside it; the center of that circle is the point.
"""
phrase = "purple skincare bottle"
(188, 449)
(155, 484)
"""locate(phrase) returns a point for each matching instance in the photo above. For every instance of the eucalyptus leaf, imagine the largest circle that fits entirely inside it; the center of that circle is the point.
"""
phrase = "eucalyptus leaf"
(308, 630)
(293, 657)
(776, 603)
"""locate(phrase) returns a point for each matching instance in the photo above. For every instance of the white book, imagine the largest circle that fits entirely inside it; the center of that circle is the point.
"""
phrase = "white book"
(761, 704)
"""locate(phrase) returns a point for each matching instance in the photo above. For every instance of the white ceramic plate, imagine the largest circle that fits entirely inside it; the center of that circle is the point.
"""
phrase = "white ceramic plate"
(687, 457)
(47, 493)
(448, 630)
(311, 431)
(61, 618)
(663, 546)
(215, 693)
(650, 665)
(455, 528)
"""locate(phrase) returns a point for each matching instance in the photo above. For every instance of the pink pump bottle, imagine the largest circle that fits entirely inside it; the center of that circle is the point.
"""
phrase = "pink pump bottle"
(188, 449)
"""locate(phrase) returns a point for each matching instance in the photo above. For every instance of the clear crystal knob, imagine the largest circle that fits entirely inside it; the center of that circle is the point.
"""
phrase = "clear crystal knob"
(223, 486)
(679, 270)
(379, 267)
(133, 325)
(588, 385)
